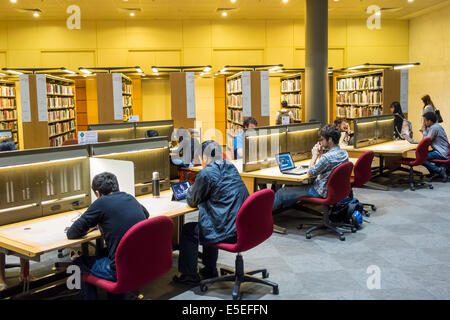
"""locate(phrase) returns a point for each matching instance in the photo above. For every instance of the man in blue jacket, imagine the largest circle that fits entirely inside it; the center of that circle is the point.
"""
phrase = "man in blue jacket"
(219, 192)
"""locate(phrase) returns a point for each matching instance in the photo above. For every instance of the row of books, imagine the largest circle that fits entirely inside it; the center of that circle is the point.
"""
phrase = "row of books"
(8, 115)
(126, 101)
(234, 100)
(291, 84)
(297, 112)
(234, 85)
(6, 91)
(359, 97)
(59, 102)
(292, 98)
(357, 112)
(53, 88)
(61, 115)
(235, 115)
(126, 88)
(60, 127)
(58, 141)
(7, 103)
(360, 83)
(234, 129)
(127, 112)
(10, 125)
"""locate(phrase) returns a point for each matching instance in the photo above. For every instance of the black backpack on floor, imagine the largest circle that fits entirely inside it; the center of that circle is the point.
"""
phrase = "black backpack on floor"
(348, 211)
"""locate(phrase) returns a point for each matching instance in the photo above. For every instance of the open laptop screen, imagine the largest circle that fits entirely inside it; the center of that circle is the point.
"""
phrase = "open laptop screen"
(285, 161)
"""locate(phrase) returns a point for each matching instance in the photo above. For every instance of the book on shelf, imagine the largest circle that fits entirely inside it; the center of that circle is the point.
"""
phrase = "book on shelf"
(58, 140)
(360, 83)
(8, 115)
(7, 91)
(126, 87)
(234, 85)
(359, 97)
(291, 85)
(61, 127)
(58, 89)
(61, 115)
(235, 115)
(292, 99)
(60, 102)
(7, 103)
(358, 112)
(234, 100)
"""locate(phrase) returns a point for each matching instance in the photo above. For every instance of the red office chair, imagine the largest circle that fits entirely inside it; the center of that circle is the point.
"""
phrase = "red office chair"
(443, 163)
(70, 142)
(254, 225)
(338, 187)
(143, 254)
(421, 158)
(362, 174)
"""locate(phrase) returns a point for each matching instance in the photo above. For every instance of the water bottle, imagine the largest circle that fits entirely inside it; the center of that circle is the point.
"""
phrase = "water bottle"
(155, 184)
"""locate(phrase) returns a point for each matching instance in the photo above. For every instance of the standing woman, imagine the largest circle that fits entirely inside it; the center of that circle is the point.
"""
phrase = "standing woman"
(396, 110)
(428, 106)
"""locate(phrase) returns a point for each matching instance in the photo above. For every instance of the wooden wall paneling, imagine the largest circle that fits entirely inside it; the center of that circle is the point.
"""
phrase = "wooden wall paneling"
(256, 99)
(178, 101)
(105, 98)
(220, 106)
(391, 88)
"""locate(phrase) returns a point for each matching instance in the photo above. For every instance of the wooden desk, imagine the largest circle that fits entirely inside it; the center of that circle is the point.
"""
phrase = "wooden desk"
(391, 148)
(30, 239)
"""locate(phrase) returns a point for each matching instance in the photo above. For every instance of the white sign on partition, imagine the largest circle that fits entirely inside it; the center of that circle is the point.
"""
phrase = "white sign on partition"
(133, 118)
(87, 137)
(190, 95)
(246, 94)
(123, 170)
(265, 103)
(404, 75)
(25, 97)
(117, 95)
(285, 120)
(41, 88)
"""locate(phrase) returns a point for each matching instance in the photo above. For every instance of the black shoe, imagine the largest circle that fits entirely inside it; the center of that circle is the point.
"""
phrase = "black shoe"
(443, 173)
(207, 273)
(189, 279)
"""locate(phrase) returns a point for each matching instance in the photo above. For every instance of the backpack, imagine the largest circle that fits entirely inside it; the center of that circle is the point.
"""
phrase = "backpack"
(406, 132)
(348, 211)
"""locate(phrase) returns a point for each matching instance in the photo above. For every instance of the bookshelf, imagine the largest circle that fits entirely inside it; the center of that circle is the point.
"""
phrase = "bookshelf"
(292, 92)
(237, 93)
(366, 94)
(127, 93)
(8, 109)
(61, 110)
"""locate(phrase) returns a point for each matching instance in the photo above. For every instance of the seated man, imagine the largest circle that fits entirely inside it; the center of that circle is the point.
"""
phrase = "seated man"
(439, 143)
(284, 116)
(249, 123)
(321, 166)
(219, 192)
(115, 213)
(344, 128)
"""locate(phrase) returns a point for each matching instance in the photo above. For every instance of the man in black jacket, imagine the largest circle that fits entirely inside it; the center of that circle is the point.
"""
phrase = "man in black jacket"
(219, 192)
(114, 212)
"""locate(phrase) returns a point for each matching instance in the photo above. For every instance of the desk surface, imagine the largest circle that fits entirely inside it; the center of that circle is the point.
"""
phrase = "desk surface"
(397, 147)
(34, 237)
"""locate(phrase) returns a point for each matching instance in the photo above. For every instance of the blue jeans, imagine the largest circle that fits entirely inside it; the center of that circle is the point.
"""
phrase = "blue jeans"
(287, 197)
(432, 168)
(99, 267)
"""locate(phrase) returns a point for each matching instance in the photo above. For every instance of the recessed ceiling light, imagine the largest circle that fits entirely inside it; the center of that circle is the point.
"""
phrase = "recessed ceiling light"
(132, 14)
(336, 0)
(233, 1)
(224, 14)
(285, 1)
(36, 14)
(13, 1)
(410, 0)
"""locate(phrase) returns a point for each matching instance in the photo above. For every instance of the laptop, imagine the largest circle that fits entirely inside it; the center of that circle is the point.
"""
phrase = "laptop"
(287, 166)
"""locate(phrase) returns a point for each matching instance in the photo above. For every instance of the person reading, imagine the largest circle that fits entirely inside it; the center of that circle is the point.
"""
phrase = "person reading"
(114, 212)
(219, 193)
(320, 168)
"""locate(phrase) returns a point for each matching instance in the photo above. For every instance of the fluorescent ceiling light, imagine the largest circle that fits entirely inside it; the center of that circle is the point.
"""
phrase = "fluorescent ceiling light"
(69, 71)
(405, 66)
(2, 74)
(357, 67)
(155, 70)
(274, 68)
(139, 70)
(13, 72)
(207, 69)
(85, 71)
(223, 70)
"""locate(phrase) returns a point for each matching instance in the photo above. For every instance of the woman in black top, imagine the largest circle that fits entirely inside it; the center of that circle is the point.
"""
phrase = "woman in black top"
(396, 109)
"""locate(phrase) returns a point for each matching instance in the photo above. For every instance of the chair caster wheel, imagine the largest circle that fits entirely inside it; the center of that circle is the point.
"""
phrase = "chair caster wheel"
(203, 288)
(431, 187)
(275, 290)
(308, 236)
(341, 237)
(367, 214)
(299, 227)
(353, 230)
(265, 275)
(374, 208)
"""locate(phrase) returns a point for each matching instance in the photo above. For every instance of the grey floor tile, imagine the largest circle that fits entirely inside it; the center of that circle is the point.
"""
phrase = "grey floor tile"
(327, 282)
(312, 262)
(408, 257)
(430, 240)
(403, 294)
(389, 278)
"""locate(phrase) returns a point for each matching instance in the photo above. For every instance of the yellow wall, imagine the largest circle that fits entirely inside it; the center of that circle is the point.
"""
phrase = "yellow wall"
(219, 42)
(430, 45)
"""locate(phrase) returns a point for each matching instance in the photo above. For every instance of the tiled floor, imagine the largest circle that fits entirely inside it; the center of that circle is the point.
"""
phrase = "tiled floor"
(408, 239)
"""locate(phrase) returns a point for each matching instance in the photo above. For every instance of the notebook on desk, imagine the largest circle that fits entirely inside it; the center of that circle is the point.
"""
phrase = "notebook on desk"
(287, 166)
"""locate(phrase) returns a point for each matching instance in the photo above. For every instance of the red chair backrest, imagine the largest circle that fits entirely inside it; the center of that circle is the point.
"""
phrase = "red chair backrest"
(254, 222)
(363, 169)
(144, 253)
(422, 151)
(70, 142)
(338, 185)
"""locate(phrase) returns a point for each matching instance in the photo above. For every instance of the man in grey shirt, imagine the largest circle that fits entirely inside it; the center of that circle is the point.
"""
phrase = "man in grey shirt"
(439, 143)
(322, 164)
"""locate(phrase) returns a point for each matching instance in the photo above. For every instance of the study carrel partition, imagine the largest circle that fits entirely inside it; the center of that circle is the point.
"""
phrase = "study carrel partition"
(373, 130)
(263, 143)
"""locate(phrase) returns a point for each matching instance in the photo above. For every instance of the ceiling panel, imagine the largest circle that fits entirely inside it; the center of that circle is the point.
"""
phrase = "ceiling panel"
(206, 9)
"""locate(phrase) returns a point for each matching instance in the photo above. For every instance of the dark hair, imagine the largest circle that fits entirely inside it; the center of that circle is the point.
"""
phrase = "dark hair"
(249, 121)
(151, 133)
(426, 99)
(330, 131)
(284, 104)
(105, 183)
(431, 116)
(211, 150)
(8, 145)
(397, 107)
(338, 122)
